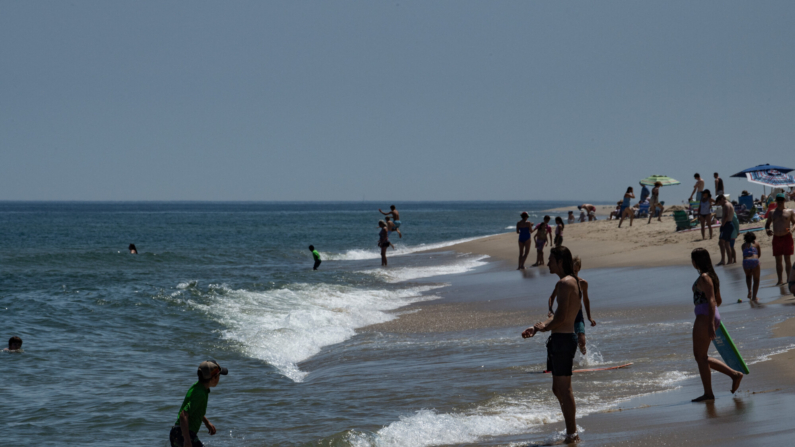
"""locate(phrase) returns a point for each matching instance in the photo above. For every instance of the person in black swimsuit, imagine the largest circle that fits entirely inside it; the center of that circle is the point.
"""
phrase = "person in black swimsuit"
(383, 241)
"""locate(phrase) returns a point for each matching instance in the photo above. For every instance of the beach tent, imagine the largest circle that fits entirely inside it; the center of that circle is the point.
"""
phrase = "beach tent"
(664, 179)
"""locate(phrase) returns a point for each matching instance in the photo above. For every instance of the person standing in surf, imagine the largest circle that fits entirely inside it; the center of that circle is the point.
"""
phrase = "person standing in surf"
(395, 215)
(562, 344)
(192, 412)
(523, 229)
(706, 298)
(316, 256)
(782, 220)
(383, 241)
(579, 322)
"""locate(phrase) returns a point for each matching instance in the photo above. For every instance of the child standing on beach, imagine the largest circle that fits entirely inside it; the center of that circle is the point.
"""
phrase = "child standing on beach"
(579, 322)
(559, 231)
(751, 254)
(543, 235)
(315, 255)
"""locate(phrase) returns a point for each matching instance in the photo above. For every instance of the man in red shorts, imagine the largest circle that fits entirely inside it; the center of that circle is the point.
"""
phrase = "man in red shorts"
(782, 219)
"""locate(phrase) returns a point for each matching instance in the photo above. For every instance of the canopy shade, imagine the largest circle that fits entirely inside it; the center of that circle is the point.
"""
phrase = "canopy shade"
(764, 167)
(664, 179)
(771, 177)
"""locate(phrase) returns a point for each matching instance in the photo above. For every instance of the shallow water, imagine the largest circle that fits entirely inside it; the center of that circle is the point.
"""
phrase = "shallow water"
(112, 340)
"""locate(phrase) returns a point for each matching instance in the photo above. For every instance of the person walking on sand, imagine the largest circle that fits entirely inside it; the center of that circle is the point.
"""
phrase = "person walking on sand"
(316, 256)
(654, 202)
(589, 209)
(523, 229)
(562, 344)
(543, 235)
(559, 231)
(395, 215)
(705, 212)
(782, 220)
(194, 406)
(383, 241)
(706, 298)
(751, 254)
(726, 231)
(698, 187)
(718, 185)
(579, 322)
(626, 210)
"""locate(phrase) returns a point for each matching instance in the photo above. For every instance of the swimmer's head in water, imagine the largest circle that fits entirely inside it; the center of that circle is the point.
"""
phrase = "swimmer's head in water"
(14, 343)
(132, 248)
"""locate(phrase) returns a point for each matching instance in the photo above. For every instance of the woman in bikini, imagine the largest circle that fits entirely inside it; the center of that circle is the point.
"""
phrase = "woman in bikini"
(523, 229)
(543, 235)
(383, 241)
(654, 202)
(626, 210)
(705, 212)
(706, 298)
(751, 254)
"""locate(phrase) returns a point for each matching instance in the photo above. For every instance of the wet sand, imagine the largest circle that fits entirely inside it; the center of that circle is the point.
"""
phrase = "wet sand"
(760, 412)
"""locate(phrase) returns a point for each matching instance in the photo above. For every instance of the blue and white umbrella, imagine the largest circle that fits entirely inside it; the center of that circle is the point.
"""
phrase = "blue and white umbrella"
(771, 177)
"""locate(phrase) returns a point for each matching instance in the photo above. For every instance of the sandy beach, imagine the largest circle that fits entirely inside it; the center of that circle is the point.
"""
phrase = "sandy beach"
(758, 414)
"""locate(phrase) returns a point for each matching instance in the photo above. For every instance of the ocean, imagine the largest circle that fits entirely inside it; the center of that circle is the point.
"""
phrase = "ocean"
(112, 340)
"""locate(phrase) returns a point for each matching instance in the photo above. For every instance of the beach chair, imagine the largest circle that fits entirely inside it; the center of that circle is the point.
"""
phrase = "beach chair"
(683, 221)
(643, 210)
(694, 208)
(748, 201)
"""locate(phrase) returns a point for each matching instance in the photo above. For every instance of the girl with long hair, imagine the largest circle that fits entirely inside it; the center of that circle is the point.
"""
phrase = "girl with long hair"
(706, 298)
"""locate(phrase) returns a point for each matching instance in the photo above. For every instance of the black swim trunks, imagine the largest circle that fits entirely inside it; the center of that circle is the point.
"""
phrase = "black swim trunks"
(560, 353)
(177, 440)
(317, 264)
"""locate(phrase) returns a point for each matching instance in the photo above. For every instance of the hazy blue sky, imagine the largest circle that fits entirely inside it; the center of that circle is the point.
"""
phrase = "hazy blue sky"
(430, 100)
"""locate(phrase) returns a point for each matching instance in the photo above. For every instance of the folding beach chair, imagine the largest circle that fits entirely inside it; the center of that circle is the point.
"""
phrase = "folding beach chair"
(748, 201)
(643, 210)
(683, 221)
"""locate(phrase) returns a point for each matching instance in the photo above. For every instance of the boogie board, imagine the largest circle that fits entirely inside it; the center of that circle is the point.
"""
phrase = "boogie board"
(596, 369)
(728, 350)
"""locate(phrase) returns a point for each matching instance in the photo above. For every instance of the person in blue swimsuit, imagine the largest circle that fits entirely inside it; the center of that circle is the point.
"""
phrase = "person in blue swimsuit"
(706, 299)
(523, 229)
(396, 216)
(626, 210)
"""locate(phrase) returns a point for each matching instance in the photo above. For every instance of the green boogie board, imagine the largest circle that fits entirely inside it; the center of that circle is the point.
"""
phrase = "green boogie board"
(728, 350)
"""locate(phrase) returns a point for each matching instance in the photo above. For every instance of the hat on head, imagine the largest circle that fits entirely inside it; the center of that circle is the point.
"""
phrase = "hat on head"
(208, 368)
(781, 196)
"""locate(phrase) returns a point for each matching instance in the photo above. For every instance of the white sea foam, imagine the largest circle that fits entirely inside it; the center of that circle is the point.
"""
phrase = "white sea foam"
(766, 357)
(286, 326)
(357, 254)
(501, 417)
(463, 264)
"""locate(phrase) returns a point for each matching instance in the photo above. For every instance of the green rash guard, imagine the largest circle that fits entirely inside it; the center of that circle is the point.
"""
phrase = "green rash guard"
(316, 255)
(195, 404)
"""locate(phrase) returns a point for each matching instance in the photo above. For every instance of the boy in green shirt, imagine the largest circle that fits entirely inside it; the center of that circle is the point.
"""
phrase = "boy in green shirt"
(315, 255)
(191, 413)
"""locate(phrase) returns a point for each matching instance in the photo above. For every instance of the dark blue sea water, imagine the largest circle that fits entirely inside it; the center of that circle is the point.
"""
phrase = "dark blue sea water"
(112, 340)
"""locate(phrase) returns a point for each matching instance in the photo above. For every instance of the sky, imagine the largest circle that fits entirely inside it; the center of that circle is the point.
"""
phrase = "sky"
(363, 100)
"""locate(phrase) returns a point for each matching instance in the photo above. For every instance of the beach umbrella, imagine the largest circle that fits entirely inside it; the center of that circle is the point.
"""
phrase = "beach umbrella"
(764, 167)
(664, 179)
(771, 177)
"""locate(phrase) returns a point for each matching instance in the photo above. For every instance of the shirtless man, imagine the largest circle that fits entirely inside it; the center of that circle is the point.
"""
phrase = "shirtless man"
(562, 344)
(589, 209)
(699, 186)
(390, 228)
(726, 231)
(782, 219)
(718, 185)
(395, 215)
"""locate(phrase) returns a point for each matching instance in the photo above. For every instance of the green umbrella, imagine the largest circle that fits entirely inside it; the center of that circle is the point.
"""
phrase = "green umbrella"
(664, 179)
